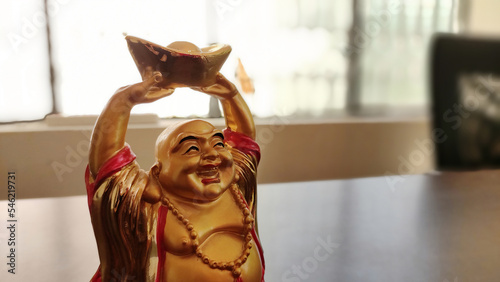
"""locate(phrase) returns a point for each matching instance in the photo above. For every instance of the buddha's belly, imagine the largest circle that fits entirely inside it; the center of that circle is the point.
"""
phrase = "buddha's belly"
(220, 247)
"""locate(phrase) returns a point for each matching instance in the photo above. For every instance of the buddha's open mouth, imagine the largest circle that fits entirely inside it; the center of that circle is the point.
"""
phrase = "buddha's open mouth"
(209, 174)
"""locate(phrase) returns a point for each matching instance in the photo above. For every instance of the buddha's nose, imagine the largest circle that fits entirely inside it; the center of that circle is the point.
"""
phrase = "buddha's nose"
(211, 154)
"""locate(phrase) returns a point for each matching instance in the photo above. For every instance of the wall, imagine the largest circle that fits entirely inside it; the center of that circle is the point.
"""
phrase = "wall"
(50, 160)
(483, 17)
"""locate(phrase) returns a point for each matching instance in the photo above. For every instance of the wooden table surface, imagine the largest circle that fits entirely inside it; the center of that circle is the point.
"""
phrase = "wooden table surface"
(430, 228)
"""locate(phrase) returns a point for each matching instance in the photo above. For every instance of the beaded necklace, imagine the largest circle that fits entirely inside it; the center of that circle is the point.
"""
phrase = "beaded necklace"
(235, 265)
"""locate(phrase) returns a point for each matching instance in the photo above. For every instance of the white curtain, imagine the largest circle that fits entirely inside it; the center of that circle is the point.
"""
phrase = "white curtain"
(296, 52)
(25, 91)
(395, 59)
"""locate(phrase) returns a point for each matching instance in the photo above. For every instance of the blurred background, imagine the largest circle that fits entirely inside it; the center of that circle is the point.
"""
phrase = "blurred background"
(307, 58)
(343, 89)
(343, 85)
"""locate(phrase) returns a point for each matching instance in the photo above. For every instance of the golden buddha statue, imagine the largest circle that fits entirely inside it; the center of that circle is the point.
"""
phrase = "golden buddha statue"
(190, 217)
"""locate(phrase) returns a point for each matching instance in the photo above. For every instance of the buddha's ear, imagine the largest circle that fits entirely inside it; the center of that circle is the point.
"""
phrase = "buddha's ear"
(152, 193)
(155, 170)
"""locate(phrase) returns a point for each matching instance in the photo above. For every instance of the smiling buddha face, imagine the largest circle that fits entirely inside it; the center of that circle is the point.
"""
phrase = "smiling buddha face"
(193, 161)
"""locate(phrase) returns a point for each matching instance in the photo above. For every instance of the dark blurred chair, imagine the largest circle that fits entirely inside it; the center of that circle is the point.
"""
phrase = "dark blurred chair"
(465, 86)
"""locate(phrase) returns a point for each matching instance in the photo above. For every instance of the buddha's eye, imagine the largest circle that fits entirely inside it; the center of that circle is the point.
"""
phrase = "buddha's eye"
(191, 149)
(220, 144)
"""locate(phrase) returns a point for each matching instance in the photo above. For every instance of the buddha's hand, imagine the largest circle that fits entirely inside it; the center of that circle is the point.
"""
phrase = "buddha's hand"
(146, 91)
(221, 89)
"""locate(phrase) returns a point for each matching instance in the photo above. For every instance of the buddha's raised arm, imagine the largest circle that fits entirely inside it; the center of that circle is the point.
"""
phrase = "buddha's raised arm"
(109, 132)
(237, 114)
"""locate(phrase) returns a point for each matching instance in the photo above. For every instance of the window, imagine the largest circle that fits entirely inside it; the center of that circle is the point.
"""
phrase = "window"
(394, 62)
(298, 52)
(25, 91)
(92, 59)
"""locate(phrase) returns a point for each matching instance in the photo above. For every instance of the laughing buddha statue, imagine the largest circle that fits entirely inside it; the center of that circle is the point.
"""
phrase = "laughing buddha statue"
(191, 216)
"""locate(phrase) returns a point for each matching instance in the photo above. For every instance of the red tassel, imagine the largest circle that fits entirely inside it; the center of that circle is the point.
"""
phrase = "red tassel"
(239, 279)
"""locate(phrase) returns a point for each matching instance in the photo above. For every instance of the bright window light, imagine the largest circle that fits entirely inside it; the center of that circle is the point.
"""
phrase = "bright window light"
(296, 52)
(25, 92)
(92, 59)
